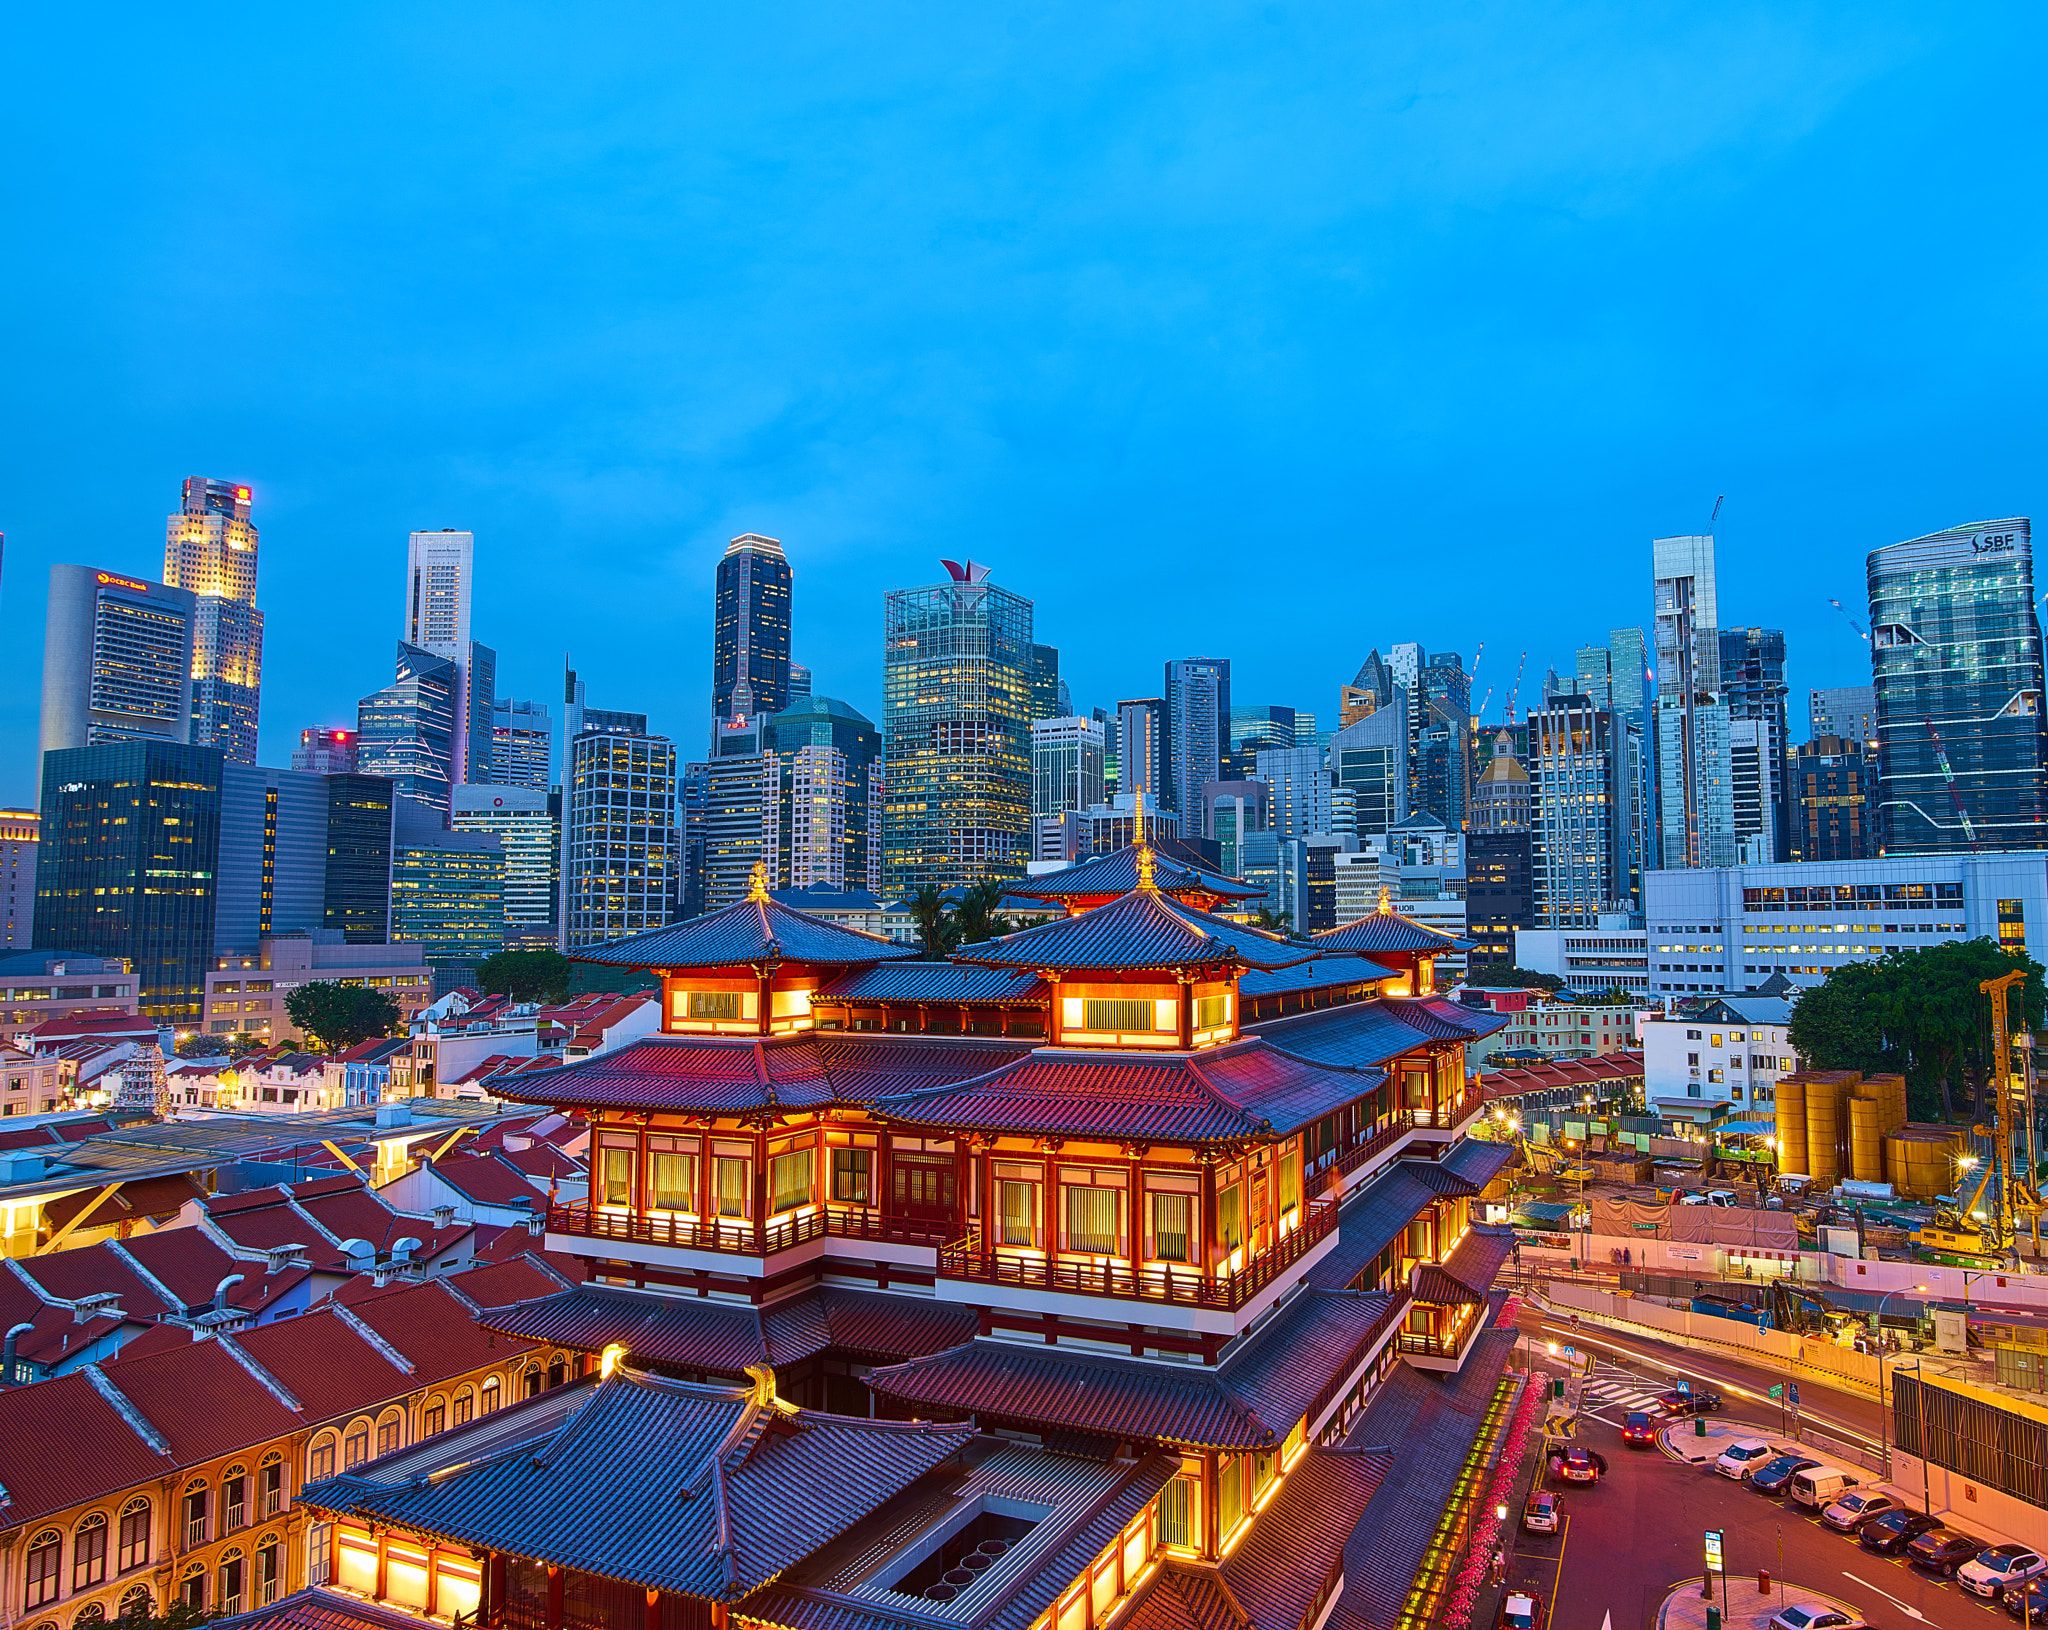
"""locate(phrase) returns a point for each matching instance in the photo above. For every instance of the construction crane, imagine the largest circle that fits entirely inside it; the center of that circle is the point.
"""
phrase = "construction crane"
(1515, 696)
(1955, 795)
(1861, 633)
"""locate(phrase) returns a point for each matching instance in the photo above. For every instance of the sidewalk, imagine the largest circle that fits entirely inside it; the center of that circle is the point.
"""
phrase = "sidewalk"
(1681, 1440)
(1748, 1608)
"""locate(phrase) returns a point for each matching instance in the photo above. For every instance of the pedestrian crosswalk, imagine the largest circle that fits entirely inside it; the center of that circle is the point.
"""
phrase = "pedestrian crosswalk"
(1610, 1393)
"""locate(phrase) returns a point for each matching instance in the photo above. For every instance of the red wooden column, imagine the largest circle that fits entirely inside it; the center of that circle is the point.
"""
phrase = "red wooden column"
(1187, 1011)
(494, 1587)
(383, 1560)
(1212, 1539)
(760, 1196)
(653, 1619)
(557, 1592)
(766, 975)
(1208, 1214)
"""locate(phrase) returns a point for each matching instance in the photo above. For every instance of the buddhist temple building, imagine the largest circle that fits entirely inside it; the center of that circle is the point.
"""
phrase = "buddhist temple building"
(1047, 1287)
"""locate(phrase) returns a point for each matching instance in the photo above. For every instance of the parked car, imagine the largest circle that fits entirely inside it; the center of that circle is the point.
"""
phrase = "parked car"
(1856, 1508)
(1815, 1616)
(1890, 1534)
(1944, 1550)
(1541, 1514)
(1742, 1457)
(1520, 1611)
(1999, 1569)
(1578, 1465)
(1638, 1431)
(2028, 1603)
(1697, 1401)
(1772, 1478)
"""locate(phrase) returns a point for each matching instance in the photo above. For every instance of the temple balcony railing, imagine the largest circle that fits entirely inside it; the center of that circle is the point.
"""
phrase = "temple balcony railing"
(1166, 1283)
(737, 1236)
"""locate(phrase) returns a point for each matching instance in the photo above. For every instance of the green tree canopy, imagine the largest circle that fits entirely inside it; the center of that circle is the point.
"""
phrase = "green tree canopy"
(526, 975)
(1920, 1014)
(1501, 976)
(339, 1016)
(975, 916)
(934, 918)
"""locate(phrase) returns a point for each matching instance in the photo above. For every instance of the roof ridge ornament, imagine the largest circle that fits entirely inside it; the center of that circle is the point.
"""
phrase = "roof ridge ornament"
(1386, 900)
(1146, 880)
(757, 887)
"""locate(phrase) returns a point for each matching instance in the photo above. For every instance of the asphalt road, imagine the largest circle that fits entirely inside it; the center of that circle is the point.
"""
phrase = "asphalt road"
(1629, 1538)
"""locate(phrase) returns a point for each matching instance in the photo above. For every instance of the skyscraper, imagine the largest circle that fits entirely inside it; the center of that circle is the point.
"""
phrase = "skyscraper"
(1695, 788)
(114, 816)
(210, 549)
(1832, 787)
(1253, 727)
(1141, 749)
(1583, 780)
(408, 730)
(522, 744)
(1066, 765)
(325, 752)
(1197, 732)
(1847, 711)
(956, 694)
(1045, 682)
(1371, 689)
(447, 893)
(1753, 690)
(750, 638)
(829, 797)
(525, 829)
(1438, 769)
(440, 574)
(1499, 855)
(18, 839)
(620, 845)
(1955, 653)
(117, 660)
(1369, 759)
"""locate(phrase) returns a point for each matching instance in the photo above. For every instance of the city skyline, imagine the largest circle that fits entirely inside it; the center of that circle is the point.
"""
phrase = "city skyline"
(1476, 371)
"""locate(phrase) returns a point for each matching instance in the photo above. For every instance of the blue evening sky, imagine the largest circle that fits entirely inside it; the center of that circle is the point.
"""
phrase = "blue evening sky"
(1270, 331)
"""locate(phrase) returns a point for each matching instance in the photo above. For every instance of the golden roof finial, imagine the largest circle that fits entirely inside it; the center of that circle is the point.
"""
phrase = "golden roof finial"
(1386, 899)
(1145, 880)
(758, 889)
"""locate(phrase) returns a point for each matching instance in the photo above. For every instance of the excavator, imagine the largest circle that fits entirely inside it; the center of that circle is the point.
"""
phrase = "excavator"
(2009, 1177)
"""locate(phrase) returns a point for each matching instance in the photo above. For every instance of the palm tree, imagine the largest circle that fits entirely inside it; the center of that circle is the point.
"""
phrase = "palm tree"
(975, 916)
(1274, 922)
(934, 919)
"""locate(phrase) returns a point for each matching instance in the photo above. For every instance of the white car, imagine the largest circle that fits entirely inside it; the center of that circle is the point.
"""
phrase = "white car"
(2000, 1568)
(1742, 1457)
(1816, 1616)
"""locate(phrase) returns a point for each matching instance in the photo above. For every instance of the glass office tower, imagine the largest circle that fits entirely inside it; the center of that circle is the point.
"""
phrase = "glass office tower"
(129, 862)
(956, 697)
(1955, 655)
(750, 634)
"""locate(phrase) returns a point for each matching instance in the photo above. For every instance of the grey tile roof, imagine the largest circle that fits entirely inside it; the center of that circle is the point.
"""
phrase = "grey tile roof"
(1143, 929)
(753, 931)
(932, 982)
(698, 1490)
(730, 1075)
(1323, 973)
(1117, 873)
(1371, 1220)
(1246, 1089)
(1388, 931)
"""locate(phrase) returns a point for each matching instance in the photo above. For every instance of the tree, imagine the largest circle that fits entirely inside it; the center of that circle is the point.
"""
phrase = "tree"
(1274, 922)
(338, 1016)
(1500, 976)
(934, 919)
(177, 1616)
(975, 918)
(525, 975)
(1919, 1014)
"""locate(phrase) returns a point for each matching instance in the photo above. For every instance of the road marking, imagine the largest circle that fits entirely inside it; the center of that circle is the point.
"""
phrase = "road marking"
(1910, 1612)
(1564, 1534)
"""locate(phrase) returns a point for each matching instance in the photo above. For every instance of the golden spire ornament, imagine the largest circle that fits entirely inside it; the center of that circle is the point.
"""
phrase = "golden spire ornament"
(758, 888)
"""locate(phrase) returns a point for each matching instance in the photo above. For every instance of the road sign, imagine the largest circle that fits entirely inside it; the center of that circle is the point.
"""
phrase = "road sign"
(1777, 1392)
(1684, 1387)
(1714, 1557)
(1795, 1392)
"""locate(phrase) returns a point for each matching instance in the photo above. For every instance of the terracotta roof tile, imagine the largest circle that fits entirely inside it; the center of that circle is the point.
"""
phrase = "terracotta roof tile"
(202, 1400)
(100, 1452)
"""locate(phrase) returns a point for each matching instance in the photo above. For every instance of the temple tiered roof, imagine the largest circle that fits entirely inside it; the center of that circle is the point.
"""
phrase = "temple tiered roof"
(705, 1491)
(1105, 877)
(1142, 930)
(1371, 1032)
(1244, 1090)
(1387, 930)
(759, 929)
(732, 1075)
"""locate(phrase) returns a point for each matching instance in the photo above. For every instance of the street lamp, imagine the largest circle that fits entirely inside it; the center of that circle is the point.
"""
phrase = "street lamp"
(1883, 1413)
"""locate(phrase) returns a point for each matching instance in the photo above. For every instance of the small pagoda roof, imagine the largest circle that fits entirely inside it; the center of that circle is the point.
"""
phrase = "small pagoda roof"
(1387, 930)
(1247, 1090)
(758, 929)
(1142, 929)
(705, 1491)
(1110, 875)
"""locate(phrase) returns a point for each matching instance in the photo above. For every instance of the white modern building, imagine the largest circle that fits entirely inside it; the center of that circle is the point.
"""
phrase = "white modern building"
(1729, 929)
(1723, 1061)
(1067, 759)
(1612, 954)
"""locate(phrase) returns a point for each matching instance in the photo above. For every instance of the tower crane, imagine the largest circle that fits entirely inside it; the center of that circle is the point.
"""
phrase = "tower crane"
(1861, 634)
(1955, 795)
(1515, 696)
